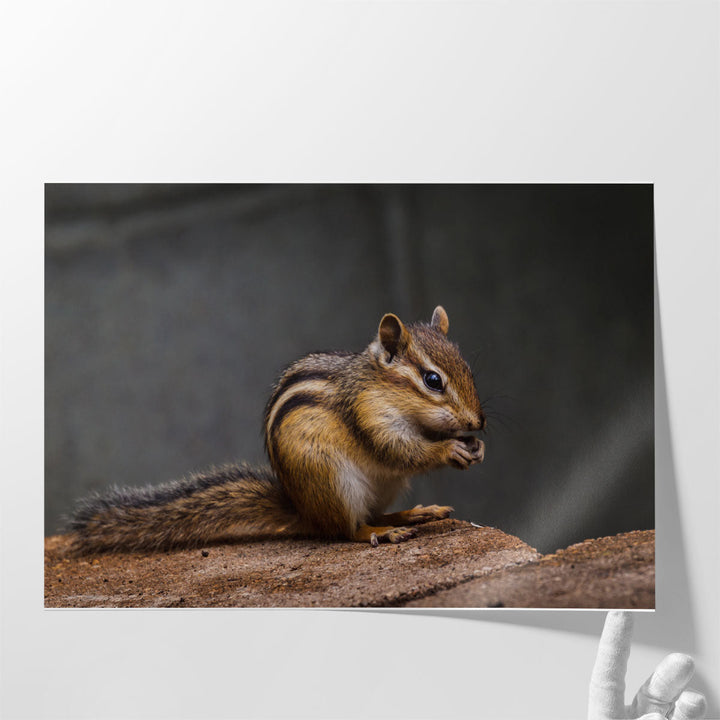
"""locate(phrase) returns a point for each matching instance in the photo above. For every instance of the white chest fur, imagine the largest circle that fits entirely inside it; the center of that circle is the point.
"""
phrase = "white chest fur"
(367, 491)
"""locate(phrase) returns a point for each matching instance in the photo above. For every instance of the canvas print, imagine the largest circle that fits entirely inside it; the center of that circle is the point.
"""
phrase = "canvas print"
(409, 396)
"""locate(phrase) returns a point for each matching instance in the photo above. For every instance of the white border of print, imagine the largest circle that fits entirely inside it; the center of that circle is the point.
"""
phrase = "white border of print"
(359, 91)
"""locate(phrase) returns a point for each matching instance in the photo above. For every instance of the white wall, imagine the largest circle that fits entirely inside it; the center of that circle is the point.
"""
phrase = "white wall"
(363, 91)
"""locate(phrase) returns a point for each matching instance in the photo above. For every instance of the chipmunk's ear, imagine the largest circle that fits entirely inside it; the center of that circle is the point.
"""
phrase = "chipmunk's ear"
(440, 320)
(393, 334)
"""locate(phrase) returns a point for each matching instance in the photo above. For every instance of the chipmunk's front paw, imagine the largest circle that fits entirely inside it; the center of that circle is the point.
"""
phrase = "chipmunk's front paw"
(466, 450)
(393, 535)
(475, 446)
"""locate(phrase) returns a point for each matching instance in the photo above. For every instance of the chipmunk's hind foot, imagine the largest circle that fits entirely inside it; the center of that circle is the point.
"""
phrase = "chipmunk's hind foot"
(416, 516)
(427, 513)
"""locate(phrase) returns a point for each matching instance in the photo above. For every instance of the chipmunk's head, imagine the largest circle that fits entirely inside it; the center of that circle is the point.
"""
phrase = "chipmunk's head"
(426, 372)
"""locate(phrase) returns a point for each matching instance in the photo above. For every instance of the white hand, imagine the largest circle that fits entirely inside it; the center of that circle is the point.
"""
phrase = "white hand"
(663, 695)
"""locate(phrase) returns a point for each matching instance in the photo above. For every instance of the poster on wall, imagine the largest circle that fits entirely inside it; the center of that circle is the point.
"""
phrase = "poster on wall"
(403, 395)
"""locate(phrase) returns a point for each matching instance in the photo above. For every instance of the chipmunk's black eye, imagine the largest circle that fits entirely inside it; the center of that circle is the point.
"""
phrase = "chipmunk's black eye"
(433, 381)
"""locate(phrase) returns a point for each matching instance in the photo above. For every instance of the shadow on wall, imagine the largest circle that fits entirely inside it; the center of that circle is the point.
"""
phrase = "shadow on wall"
(170, 310)
(672, 625)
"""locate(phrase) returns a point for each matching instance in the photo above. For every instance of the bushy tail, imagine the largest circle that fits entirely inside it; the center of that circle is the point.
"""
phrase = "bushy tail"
(226, 501)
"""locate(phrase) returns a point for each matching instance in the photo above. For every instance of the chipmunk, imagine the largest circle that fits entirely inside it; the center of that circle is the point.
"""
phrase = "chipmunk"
(344, 433)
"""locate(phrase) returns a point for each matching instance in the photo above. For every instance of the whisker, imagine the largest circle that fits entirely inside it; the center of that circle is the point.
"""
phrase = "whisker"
(495, 421)
(475, 357)
(498, 396)
(506, 421)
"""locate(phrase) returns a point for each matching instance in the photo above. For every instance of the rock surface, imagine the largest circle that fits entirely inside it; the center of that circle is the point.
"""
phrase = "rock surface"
(449, 564)
(610, 572)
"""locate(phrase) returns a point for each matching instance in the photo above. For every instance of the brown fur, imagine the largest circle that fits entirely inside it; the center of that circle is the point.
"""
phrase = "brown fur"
(202, 508)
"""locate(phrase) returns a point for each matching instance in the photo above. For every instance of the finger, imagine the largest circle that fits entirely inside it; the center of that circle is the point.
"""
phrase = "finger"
(663, 687)
(607, 682)
(653, 716)
(690, 705)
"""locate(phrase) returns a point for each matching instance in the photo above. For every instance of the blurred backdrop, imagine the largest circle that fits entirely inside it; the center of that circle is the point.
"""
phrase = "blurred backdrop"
(170, 310)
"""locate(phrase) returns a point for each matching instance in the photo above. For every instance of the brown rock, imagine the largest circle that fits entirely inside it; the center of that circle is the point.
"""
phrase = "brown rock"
(282, 573)
(449, 564)
(610, 572)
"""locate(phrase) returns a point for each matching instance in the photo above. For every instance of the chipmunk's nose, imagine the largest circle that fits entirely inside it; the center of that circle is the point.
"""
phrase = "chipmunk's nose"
(480, 423)
(483, 420)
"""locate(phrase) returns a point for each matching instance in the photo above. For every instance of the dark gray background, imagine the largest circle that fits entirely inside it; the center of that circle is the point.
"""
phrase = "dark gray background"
(170, 309)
